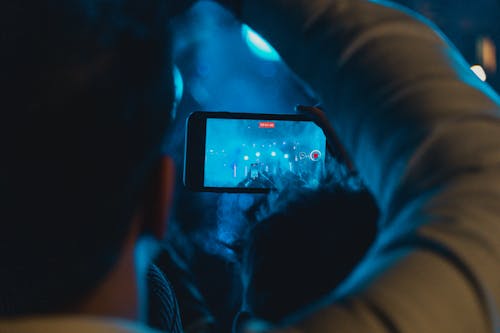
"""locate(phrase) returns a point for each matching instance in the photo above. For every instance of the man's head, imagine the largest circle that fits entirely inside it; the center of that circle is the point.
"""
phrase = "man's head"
(88, 100)
(304, 248)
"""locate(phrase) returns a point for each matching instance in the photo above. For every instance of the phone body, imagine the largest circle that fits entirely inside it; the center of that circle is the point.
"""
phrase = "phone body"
(251, 152)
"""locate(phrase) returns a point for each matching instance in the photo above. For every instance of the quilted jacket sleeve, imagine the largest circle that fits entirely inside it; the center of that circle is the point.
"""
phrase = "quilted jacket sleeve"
(424, 133)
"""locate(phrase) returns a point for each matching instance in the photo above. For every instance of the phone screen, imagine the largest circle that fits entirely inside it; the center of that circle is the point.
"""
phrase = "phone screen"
(255, 153)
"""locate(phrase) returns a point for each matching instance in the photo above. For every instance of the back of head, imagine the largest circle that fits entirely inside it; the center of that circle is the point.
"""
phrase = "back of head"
(303, 249)
(87, 100)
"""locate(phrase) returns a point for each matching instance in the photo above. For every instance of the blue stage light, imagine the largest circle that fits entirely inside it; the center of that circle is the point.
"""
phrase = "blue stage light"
(258, 45)
(179, 85)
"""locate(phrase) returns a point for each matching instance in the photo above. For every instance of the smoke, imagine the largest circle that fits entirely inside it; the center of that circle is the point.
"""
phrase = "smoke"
(231, 216)
(236, 213)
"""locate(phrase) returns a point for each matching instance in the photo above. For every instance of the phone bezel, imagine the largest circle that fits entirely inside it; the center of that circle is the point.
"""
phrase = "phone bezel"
(194, 152)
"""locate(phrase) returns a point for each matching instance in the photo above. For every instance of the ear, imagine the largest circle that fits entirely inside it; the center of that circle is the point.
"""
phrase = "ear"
(158, 201)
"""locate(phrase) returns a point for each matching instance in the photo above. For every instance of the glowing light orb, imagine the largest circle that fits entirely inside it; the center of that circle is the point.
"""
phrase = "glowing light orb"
(259, 46)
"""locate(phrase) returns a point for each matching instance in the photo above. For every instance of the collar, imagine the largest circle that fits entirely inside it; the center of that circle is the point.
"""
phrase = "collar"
(73, 324)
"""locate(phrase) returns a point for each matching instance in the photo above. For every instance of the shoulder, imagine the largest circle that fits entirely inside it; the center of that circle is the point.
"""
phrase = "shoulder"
(75, 324)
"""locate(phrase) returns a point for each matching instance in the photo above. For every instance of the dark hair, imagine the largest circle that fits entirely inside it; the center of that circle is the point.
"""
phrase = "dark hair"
(305, 248)
(86, 109)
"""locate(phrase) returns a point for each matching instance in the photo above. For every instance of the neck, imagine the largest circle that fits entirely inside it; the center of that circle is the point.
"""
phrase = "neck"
(118, 293)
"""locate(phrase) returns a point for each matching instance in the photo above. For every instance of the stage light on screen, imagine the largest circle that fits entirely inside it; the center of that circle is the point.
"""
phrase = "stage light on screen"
(479, 71)
(258, 45)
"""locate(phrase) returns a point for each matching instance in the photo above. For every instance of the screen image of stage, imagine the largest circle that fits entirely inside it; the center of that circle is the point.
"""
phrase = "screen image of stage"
(251, 153)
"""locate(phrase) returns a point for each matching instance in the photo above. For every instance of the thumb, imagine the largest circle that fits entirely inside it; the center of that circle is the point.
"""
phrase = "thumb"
(320, 118)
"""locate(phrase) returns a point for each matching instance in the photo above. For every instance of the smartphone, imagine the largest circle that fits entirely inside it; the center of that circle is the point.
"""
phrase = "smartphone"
(251, 152)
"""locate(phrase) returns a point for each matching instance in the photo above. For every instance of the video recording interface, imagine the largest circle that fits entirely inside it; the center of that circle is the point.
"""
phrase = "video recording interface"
(256, 153)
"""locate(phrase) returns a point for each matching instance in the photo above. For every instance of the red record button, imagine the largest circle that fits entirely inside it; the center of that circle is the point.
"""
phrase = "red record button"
(315, 155)
(266, 124)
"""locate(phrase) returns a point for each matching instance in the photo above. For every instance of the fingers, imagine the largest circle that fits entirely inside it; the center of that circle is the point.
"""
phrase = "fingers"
(315, 113)
(320, 118)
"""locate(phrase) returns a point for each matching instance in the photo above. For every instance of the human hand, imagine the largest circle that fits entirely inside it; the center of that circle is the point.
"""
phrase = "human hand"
(321, 119)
